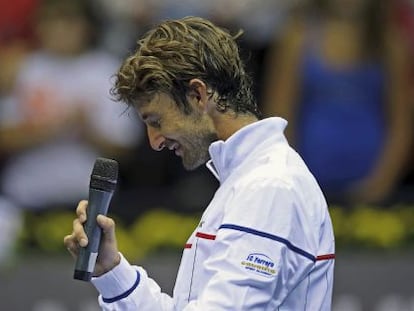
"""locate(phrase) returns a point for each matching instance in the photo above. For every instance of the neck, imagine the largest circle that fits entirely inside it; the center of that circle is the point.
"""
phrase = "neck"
(226, 124)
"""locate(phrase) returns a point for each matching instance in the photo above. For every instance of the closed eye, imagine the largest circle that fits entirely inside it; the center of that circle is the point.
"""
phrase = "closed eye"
(152, 121)
(155, 123)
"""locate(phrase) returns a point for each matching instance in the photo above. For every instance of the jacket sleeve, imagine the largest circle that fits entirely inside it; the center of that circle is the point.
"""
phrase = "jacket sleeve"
(128, 287)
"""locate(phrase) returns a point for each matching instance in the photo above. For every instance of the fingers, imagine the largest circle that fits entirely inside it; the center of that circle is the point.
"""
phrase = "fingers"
(81, 210)
(78, 230)
(79, 233)
(78, 237)
(108, 227)
(72, 246)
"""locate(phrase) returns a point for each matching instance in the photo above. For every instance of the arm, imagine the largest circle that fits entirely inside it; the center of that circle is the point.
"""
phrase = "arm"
(127, 287)
(393, 159)
(265, 227)
(122, 286)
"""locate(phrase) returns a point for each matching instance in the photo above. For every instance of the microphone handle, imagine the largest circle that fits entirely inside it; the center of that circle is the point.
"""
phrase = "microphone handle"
(85, 263)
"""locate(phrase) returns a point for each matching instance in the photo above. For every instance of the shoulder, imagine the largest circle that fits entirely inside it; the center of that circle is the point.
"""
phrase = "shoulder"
(280, 188)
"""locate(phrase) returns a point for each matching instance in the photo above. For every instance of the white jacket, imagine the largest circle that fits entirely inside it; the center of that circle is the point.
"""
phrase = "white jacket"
(265, 242)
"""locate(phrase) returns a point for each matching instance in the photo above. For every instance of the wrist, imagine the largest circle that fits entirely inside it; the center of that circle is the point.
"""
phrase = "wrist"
(119, 280)
(105, 268)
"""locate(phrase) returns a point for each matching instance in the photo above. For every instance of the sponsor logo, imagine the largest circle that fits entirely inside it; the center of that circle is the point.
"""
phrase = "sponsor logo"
(260, 264)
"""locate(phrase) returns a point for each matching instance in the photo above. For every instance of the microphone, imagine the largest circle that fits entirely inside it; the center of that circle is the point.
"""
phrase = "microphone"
(101, 188)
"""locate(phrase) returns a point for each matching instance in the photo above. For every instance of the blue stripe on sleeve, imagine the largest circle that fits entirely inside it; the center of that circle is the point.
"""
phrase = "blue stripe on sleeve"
(123, 295)
(270, 236)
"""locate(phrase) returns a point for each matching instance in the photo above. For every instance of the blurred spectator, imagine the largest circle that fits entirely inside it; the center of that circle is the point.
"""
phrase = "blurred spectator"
(339, 77)
(15, 20)
(261, 22)
(13, 48)
(403, 15)
(58, 116)
(125, 21)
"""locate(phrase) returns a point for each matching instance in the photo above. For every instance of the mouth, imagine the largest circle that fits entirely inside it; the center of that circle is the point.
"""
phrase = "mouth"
(178, 151)
(176, 148)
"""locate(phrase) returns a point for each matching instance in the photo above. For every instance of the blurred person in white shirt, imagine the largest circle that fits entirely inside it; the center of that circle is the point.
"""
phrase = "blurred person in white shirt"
(60, 116)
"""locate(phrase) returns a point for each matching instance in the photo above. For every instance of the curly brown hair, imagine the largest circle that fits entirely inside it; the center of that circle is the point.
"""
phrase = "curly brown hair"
(176, 51)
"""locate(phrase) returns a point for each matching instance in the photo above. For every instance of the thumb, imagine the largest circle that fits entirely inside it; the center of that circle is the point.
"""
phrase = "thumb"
(108, 227)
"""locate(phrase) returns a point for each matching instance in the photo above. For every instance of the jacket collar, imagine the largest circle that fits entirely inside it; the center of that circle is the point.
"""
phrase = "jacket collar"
(229, 154)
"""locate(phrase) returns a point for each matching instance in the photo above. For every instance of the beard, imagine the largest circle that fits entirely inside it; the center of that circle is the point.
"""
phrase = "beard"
(194, 149)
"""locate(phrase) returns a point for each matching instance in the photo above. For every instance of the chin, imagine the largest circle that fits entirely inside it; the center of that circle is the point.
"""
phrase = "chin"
(191, 166)
(194, 164)
(194, 158)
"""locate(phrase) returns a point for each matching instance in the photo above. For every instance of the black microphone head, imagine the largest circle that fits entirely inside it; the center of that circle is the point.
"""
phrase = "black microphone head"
(104, 174)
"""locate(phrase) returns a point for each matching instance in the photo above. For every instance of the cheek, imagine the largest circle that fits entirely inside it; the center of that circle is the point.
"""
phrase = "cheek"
(190, 133)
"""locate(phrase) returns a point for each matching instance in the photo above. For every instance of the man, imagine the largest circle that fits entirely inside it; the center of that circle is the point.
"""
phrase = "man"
(265, 242)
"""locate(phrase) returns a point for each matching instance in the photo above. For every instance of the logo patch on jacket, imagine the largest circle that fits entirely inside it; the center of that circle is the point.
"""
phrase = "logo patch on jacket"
(260, 264)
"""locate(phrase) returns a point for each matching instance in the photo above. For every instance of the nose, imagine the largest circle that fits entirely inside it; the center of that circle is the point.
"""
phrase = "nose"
(156, 140)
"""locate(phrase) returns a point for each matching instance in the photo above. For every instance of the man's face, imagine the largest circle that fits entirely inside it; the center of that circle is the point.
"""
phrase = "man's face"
(189, 136)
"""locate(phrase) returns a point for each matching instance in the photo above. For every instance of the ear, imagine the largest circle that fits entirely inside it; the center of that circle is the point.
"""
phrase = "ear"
(198, 94)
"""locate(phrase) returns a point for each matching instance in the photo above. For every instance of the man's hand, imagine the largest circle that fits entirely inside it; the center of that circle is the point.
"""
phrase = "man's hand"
(108, 256)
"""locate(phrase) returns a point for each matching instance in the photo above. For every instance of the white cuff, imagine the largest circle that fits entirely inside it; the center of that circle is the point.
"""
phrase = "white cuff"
(117, 283)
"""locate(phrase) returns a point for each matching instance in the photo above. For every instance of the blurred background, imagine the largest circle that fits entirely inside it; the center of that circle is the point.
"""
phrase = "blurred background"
(340, 71)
